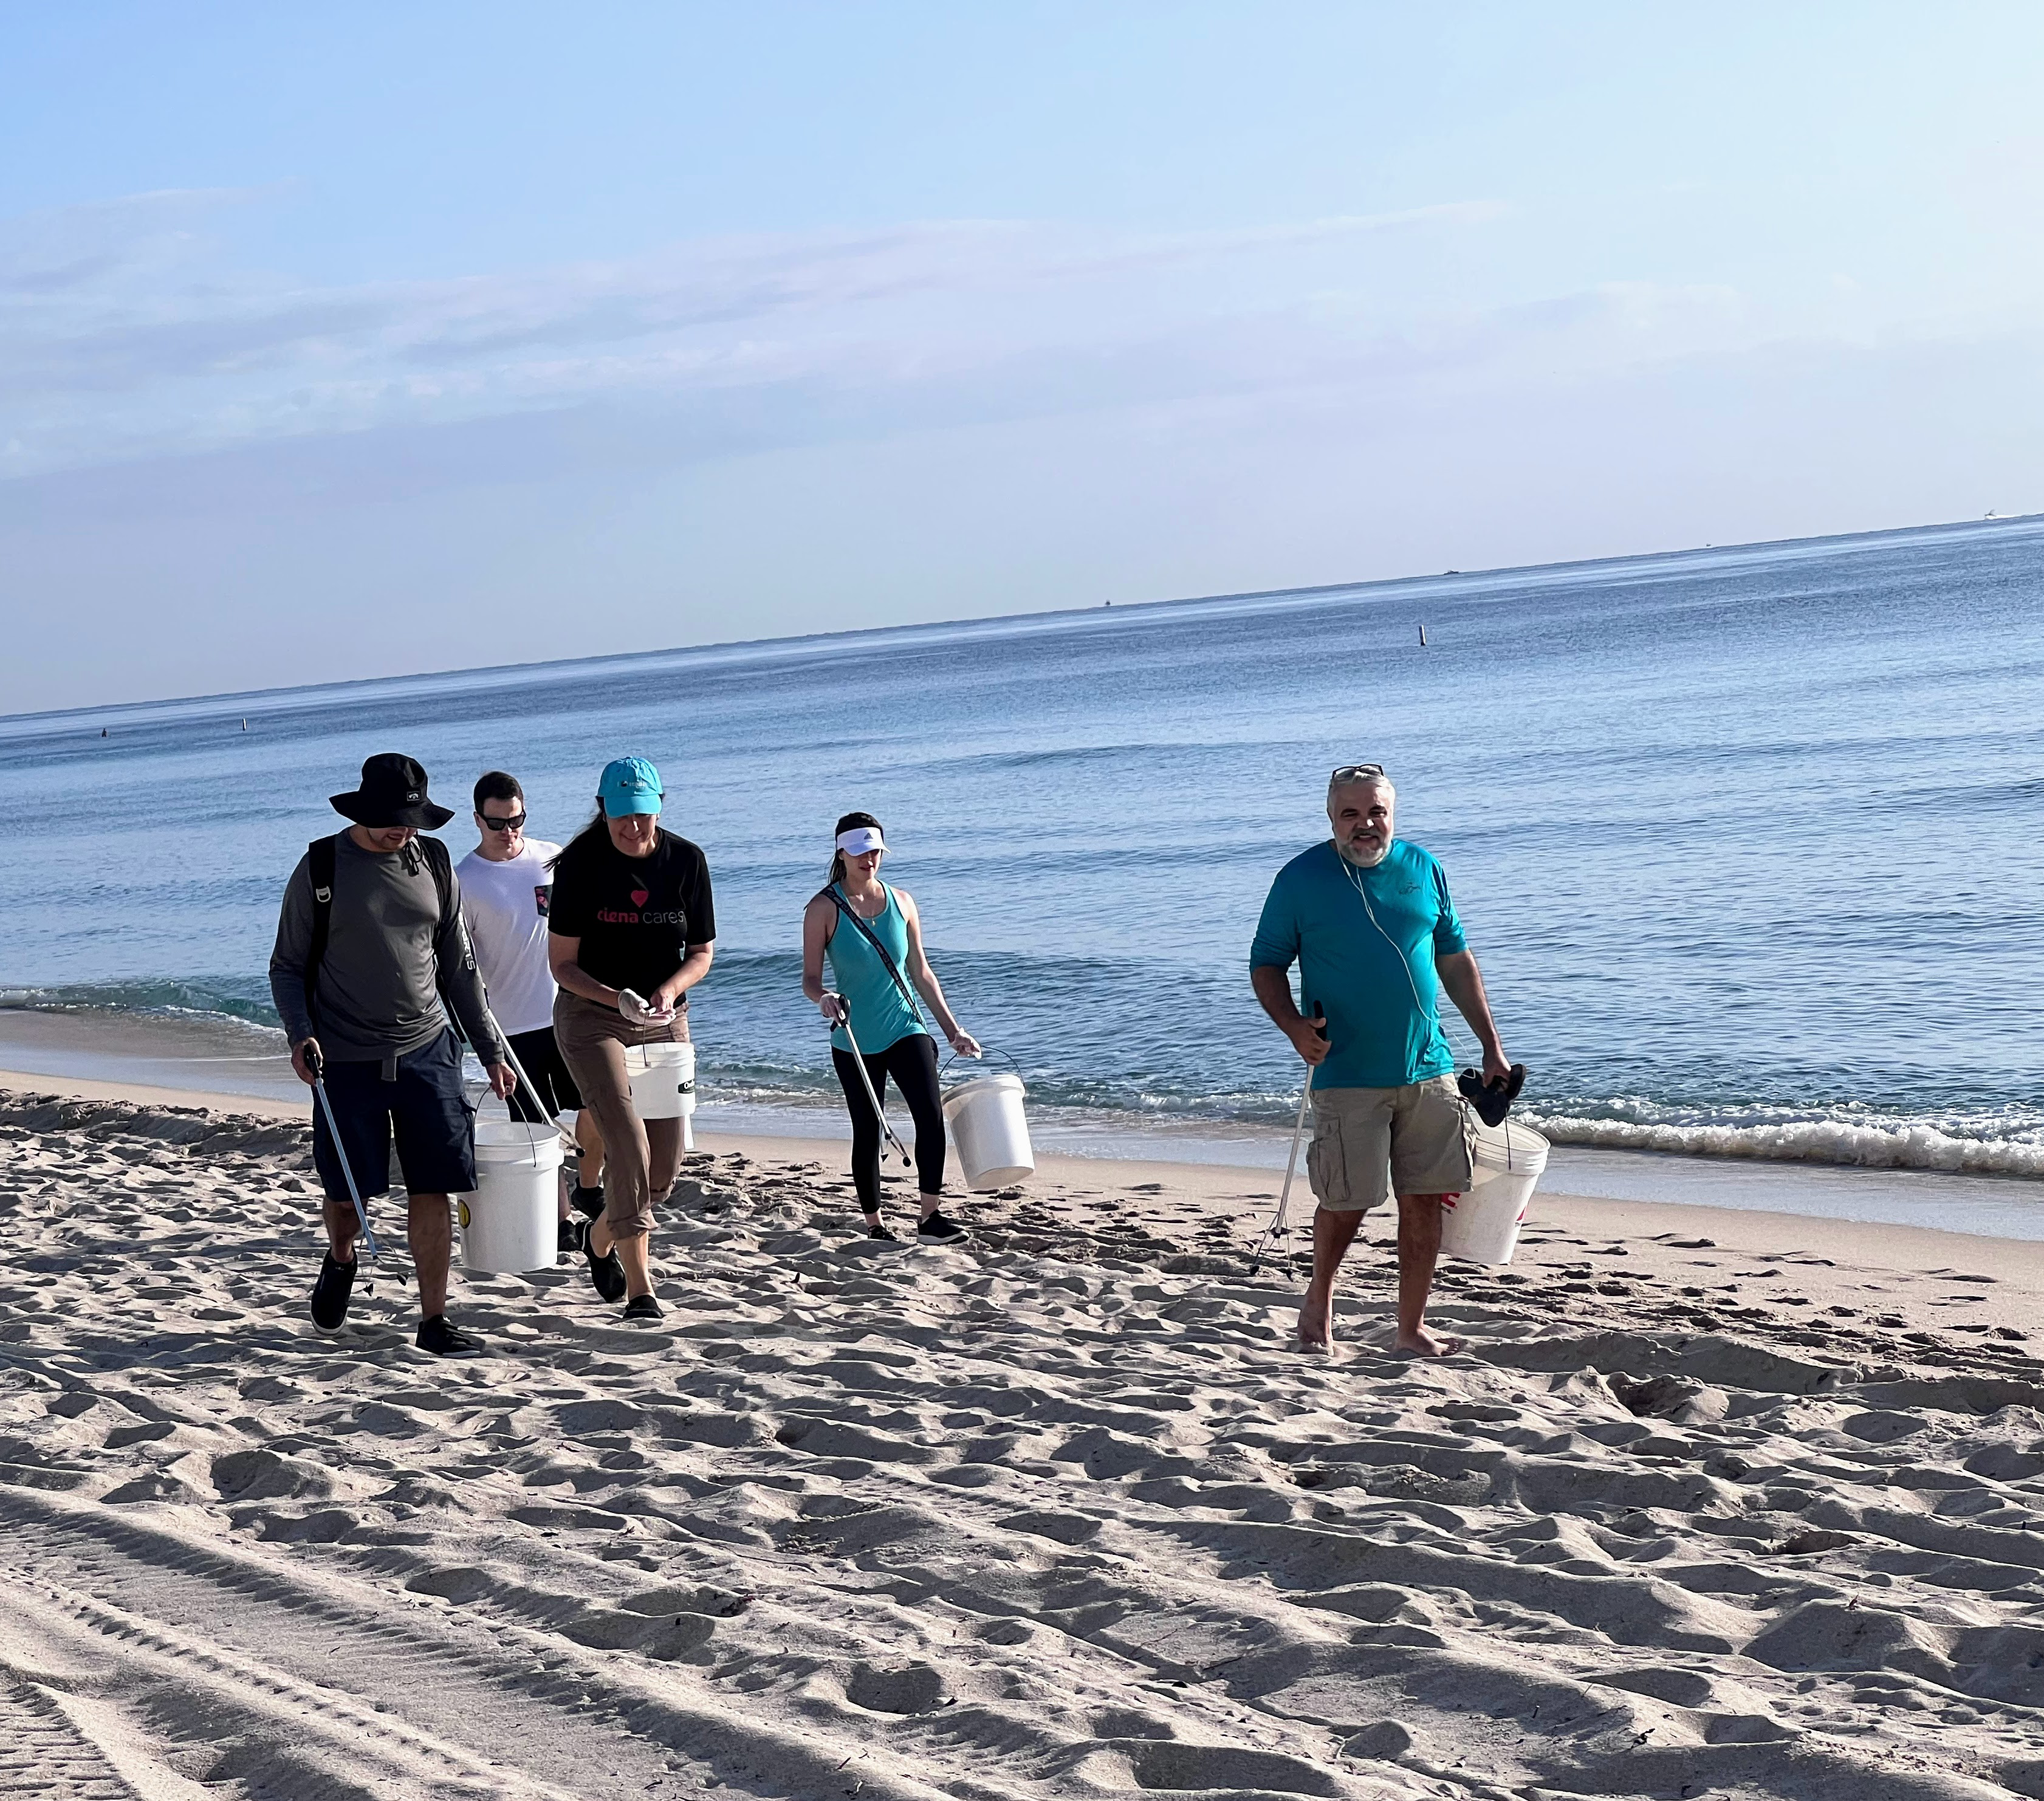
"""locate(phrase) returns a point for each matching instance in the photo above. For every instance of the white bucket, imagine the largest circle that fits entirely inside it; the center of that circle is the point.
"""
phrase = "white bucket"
(663, 1083)
(1506, 1161)
(988, 1126)
(508, 1221)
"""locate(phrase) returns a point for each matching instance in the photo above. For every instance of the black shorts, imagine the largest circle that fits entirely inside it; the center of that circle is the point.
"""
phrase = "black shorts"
(548, 1070)
(425, 1110)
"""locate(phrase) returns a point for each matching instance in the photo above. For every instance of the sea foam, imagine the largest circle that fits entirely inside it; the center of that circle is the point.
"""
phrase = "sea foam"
(1806, 1141)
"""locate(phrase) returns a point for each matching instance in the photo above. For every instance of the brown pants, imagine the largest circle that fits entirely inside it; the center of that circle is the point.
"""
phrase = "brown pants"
(639, 1156)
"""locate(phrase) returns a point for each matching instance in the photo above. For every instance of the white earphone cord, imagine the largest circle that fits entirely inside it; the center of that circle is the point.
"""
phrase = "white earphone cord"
(1355, 881)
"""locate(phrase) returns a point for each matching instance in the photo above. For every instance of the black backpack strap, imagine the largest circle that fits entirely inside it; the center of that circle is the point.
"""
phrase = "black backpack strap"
(838, 901)
(319, 866)
(441, 865)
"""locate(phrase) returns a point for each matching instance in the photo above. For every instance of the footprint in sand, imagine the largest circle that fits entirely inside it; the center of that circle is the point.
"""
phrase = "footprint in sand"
(1018, 1522)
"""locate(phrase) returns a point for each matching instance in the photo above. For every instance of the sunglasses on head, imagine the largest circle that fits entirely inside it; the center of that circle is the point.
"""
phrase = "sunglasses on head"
(1357, 772)
(515, 823)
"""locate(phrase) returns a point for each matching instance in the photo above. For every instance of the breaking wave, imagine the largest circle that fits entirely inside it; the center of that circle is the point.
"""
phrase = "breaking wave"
(1897, 1144)
(2006, 1141)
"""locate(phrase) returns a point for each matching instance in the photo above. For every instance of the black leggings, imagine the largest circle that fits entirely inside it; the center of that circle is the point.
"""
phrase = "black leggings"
(912, 1062)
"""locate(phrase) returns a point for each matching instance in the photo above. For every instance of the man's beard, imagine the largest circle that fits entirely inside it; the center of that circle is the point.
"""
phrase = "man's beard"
(1364, 854)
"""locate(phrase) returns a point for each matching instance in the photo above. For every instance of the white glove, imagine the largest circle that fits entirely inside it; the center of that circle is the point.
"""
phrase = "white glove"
(639, 1011)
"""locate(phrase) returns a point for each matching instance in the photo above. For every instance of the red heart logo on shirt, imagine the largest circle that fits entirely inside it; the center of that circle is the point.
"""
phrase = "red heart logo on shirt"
(640, 895)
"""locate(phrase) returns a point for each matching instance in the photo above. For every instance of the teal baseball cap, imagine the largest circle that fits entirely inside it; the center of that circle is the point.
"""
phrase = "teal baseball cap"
(630, 785)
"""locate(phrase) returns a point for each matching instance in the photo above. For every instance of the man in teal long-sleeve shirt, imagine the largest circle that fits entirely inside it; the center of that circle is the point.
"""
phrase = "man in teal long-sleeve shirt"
(1369, 920)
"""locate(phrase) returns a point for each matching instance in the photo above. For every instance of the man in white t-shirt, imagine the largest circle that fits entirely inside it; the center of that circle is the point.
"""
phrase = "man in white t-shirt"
(506, 887)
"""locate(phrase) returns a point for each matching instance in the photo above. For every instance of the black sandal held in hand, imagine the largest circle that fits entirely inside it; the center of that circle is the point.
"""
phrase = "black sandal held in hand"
(1492, 1100)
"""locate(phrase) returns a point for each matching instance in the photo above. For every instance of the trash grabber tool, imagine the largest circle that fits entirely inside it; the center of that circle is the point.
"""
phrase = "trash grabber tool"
(879, 1112)
(517, 1068)
(315, 1063)
(1277, 1225)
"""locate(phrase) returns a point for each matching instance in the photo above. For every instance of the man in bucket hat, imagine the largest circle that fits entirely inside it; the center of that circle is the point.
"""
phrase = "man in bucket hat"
(369, 939)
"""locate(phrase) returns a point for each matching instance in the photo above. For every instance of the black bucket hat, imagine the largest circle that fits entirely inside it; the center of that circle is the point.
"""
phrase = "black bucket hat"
(392, 793)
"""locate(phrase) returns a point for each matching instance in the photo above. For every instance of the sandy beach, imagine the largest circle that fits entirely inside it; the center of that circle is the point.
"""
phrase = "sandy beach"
(807, 580)
(1724, 1504)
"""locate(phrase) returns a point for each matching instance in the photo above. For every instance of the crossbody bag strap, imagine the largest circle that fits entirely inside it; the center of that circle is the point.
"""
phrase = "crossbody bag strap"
(872, 938)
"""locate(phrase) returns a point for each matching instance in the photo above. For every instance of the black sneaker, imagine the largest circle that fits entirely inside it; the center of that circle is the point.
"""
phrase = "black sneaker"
(937, 1230)
(567, 1241)
(880, 1232)
(442, 1337)
(643, 1307)
(588, 1202)
(330, 1292)
(605, 1272)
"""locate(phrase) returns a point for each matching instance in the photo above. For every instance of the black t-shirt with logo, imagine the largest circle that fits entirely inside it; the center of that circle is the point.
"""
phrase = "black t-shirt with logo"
(636, 915)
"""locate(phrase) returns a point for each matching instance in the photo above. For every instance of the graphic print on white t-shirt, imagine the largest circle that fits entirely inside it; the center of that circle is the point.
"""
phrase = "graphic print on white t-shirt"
(506, 906)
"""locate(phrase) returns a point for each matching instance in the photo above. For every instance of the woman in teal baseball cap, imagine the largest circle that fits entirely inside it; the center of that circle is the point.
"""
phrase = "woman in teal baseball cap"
(631, 930)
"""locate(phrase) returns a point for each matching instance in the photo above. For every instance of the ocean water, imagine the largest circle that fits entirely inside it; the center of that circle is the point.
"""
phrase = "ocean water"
(1747, 841)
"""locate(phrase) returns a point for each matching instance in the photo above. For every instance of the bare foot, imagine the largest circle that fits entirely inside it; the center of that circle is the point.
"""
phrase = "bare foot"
(1316, 1328)
(1424, 1343)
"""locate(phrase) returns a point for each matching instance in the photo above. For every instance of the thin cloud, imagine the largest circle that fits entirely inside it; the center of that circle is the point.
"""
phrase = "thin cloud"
(727, 347)
(371, 437)
(85, 248)
(108, 336)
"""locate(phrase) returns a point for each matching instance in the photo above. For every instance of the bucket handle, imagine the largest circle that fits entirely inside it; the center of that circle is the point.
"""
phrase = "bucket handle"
(517, 1068)
(534, 1133)
(1503, 1128)
(986, 1050)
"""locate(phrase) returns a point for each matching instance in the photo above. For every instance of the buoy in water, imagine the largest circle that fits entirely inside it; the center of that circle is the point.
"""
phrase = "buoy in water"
(1423, 637)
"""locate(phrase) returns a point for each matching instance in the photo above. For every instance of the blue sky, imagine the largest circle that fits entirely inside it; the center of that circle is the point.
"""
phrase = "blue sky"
(348, 341)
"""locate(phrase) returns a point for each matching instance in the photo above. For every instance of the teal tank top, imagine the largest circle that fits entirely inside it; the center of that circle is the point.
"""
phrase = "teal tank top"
(881, 1015)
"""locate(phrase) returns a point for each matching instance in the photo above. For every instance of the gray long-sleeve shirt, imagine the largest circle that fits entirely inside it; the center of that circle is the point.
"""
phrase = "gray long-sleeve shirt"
(378, 997)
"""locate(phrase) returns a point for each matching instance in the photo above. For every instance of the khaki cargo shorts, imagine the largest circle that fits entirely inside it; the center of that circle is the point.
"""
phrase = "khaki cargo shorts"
(1370, 1144)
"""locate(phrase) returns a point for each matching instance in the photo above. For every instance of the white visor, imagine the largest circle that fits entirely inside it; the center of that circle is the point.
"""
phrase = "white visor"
(859, 840)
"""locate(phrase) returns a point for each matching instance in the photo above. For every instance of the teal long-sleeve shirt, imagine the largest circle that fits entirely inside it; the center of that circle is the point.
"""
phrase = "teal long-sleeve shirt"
(1377, 982)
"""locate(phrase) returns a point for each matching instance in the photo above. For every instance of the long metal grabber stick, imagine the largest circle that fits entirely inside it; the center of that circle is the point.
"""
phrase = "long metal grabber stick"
(503, 1037)
(879, 1112)
(315, 1063)
(517, 1068)
(1291, 1162)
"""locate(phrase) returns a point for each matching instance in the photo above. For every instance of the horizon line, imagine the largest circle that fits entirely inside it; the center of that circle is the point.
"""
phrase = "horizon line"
(114, 709)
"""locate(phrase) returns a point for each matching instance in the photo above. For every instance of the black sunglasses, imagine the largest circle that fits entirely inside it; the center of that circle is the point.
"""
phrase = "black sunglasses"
(516, 823)
(1357, 772)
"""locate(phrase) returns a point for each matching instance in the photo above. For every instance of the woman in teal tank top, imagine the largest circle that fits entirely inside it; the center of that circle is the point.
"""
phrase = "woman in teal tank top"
(863, 978)
(873, 937)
